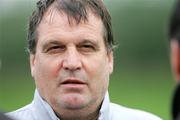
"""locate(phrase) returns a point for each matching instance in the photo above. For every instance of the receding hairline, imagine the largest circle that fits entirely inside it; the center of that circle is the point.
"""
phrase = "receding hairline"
(76, 11)
(53, 10)
(55, 7)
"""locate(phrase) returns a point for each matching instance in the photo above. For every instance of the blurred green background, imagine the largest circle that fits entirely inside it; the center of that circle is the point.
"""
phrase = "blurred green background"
(142, 76)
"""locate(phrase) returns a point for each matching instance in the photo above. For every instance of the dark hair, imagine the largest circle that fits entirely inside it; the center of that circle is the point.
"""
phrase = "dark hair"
(174, 25)
(176, 104)
(76, 10)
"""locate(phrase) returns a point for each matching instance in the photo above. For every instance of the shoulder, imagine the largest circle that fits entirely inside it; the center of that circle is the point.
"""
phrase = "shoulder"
(24, 113)
(121, 112)
(4, 117)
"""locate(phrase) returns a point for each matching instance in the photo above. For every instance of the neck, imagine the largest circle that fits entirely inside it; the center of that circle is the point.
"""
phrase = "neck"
(90, 112)
(81, 116)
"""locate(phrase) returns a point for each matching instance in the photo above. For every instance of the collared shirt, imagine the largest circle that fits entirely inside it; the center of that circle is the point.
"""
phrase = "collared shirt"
(41, 110)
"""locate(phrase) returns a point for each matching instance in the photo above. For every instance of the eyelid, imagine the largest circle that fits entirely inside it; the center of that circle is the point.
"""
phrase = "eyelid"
(51, 43)
(49, 47)
(53, 47)
(88, 45)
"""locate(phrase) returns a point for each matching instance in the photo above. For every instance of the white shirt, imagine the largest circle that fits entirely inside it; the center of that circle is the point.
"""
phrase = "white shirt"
(41, 110)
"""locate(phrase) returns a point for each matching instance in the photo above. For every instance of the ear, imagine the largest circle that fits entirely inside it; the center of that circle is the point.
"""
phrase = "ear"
(175, 58)
(32, 60)
(111, 61)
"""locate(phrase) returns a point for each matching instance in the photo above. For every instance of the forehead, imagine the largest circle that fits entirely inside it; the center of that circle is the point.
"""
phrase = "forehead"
(55, 17)
(55, 25)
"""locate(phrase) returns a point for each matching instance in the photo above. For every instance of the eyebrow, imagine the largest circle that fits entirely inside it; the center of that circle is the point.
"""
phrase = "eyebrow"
(88, 41)
(55, 42)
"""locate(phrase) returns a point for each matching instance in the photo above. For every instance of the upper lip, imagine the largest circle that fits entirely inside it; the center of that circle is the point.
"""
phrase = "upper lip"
(73, 81)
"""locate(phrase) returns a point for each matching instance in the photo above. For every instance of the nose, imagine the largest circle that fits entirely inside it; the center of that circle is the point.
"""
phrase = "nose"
(72, 60)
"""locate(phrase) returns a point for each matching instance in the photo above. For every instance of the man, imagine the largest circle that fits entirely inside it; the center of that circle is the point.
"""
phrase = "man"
(71, 58)
(174, 36)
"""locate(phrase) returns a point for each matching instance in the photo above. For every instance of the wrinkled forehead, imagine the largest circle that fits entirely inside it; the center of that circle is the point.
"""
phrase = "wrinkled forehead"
(55, 17)
(74, 15)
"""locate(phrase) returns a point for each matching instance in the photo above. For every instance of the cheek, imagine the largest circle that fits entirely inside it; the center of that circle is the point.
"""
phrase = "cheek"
(46, 73)
(98, 71)
(99, 78)
(46, 69)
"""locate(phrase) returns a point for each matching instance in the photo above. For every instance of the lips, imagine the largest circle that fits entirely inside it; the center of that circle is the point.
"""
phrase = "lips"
(73, 85)
(72, 81)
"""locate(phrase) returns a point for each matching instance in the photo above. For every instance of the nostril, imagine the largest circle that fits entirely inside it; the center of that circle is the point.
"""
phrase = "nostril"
(72, 68)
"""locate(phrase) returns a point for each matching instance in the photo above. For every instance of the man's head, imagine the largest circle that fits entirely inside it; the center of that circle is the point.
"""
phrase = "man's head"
(71, 55)
(174, 37)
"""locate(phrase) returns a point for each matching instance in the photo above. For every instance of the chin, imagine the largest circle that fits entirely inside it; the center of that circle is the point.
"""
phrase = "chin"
(74, 101)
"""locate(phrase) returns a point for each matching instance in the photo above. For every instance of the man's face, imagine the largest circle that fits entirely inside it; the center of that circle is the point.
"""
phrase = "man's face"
(71, 66)
(175, 58)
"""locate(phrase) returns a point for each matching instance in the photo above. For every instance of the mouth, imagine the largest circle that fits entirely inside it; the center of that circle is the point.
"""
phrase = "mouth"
(73, 81)
(73, 84)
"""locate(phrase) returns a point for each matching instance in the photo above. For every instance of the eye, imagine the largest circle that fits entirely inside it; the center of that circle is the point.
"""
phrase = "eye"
(55, 49)
(86, 48)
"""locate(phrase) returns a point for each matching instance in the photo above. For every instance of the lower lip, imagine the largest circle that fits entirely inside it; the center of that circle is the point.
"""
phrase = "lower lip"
(74, 86)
